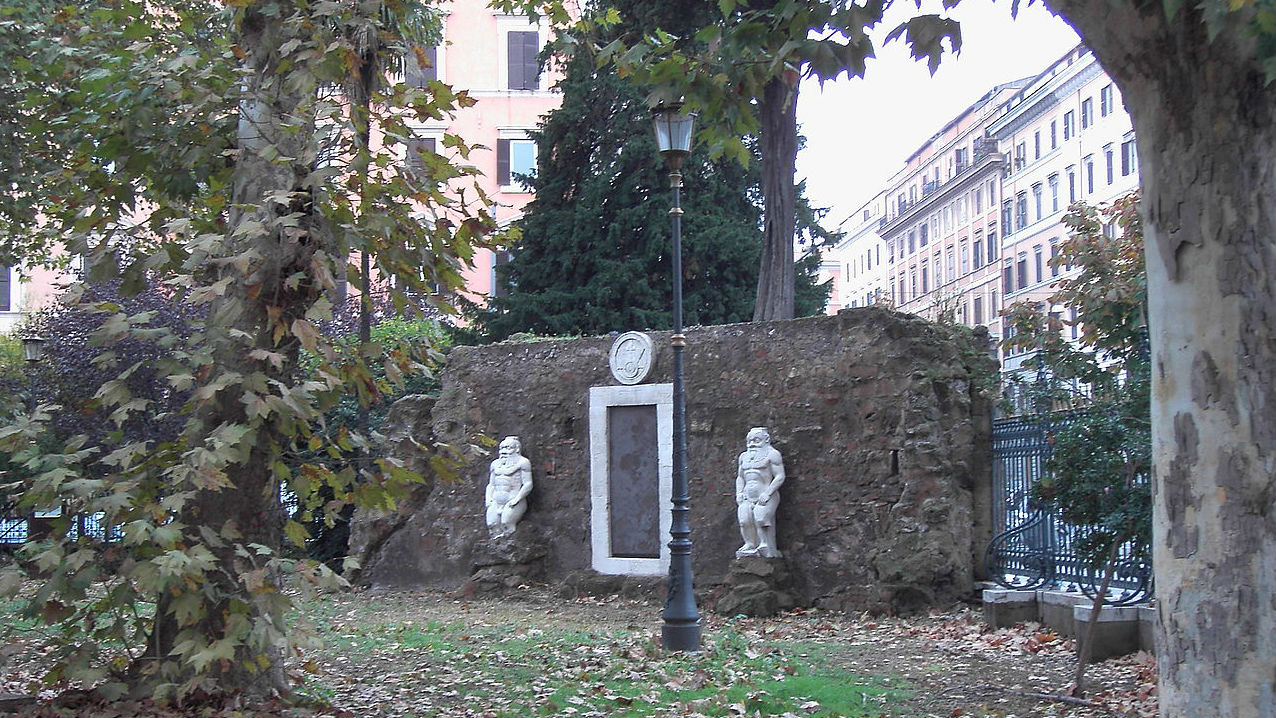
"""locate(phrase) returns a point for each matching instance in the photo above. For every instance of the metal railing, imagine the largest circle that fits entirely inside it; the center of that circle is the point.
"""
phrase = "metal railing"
(1033, 547)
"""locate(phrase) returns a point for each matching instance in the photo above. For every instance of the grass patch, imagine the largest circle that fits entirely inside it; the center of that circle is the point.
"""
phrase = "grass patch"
(522, 670)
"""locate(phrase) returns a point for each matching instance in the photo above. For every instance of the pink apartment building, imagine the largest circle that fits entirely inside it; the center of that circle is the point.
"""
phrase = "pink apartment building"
(494, 57)
(941, 226)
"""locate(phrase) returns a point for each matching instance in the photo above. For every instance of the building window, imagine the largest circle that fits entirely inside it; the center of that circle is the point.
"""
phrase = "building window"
(1053, 181)
(952, 264)
(965, 258)
(979, 310)
(992, 193)
(926, 278)
(421, 68)
(1022, 269)
(1087, 113)
(515, 159)
(1036, 200)
(522, 47)
(1054, 134)
(1021, 156)
(414, 162)
(1007, 208)
(1089, 174)
(979, 199)
(1105, 100)
(1036, 145)
(1076, 325)
(1054, 257)
(1021, 210)
(1069, 125)
(992, 244)
(1129, 160)
(1008, 277)
(922, 236)
(6, 289)
(1109, 163)
(1037, 264)
(900, 299)
(499, 285)
(912, 242)
(977, 250)
(913, 276)
(1072, 183)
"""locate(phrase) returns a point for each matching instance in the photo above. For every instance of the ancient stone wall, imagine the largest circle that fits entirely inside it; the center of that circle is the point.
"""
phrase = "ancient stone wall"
(884, 433)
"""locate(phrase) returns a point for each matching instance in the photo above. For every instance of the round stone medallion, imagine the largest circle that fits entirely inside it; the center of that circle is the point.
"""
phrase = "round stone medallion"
(631, 357)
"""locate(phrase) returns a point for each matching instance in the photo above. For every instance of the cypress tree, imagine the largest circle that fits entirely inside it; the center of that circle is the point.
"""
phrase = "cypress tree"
(594, 252)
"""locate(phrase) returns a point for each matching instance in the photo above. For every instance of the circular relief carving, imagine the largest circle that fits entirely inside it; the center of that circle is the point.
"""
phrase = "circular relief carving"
(630, 357)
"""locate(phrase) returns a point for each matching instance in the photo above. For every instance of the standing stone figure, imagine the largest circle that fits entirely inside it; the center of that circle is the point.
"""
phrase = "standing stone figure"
(757, 494)
(509, 481)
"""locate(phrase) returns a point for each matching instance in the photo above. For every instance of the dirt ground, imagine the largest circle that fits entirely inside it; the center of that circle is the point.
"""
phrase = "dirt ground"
(948, 663)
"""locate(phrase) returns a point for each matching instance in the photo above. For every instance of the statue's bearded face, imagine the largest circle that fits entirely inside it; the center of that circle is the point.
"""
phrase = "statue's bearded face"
(509, 447)
(757, 439)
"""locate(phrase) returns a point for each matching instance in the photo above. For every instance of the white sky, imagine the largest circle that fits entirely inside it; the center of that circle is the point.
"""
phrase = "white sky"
(859, 131)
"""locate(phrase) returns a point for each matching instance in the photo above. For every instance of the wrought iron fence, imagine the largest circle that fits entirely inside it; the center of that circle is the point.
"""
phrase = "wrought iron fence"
(1033, 547)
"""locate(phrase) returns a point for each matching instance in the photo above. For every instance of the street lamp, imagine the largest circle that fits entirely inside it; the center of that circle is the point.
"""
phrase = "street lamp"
(682, 621)
(33, 348)
(32, 351)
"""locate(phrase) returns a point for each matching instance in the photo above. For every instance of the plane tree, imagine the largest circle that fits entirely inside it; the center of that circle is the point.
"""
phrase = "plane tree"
(208, 149)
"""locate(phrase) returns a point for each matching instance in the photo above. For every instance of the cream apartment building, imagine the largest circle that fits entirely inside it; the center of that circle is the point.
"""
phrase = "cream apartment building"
(1067, 138)
(856, 266)
(970, 223)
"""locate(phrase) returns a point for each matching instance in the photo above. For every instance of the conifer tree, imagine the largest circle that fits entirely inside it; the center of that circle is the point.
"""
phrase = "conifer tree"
(594, 255)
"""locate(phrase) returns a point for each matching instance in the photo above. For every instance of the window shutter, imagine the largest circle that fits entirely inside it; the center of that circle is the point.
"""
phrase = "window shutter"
(418, 75)
(416, 147)
(503, 162)
(6, 289)
(521, 50)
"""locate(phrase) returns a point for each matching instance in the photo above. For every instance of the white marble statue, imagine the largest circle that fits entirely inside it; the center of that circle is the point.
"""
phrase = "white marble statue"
(509, 481)
(757, 494)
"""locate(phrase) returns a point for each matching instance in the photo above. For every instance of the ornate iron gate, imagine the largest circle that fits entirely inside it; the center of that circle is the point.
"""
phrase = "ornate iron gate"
(1033, 546)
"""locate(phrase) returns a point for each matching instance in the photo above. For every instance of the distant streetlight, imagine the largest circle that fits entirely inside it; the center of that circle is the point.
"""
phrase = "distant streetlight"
(681, 631)
(33, 348)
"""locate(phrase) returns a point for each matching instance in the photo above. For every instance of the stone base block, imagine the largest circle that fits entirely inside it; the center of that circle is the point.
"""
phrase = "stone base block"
(1115, 634)
(756, 587)
(1055, 609)
(1005, 607)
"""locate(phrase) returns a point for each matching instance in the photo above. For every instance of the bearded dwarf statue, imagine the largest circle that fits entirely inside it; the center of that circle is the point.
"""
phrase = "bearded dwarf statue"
(757, 493)
(509, 481)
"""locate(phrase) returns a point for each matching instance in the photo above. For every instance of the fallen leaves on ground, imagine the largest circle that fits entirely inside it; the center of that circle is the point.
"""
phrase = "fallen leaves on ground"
(529, 654)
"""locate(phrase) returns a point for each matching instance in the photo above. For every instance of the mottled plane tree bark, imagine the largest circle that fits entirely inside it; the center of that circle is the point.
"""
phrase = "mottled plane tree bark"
(1197, 80)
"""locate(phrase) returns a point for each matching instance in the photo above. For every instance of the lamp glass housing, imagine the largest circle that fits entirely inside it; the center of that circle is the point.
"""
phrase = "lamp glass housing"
(674, 130)
(33, 348)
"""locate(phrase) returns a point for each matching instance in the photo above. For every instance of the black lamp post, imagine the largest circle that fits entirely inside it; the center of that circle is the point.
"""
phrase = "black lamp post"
(682, 621)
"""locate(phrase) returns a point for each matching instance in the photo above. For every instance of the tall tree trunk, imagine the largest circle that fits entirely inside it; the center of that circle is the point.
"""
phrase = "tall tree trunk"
(1206, 124)
(274, 235)
(778, 136)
